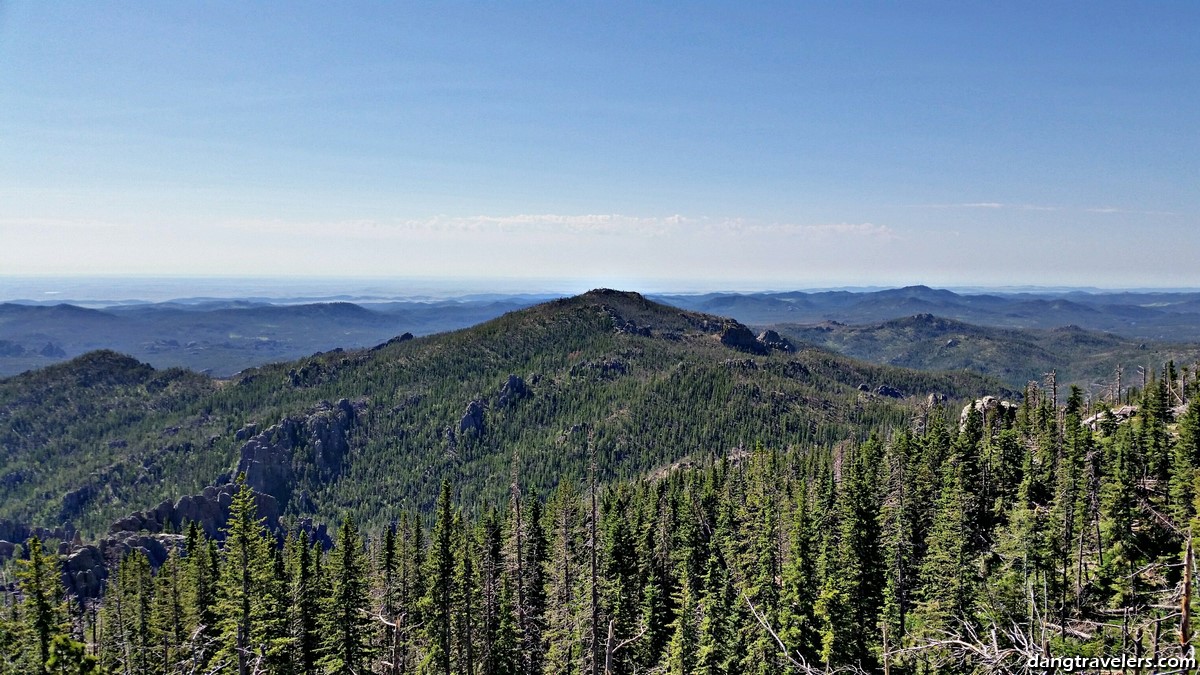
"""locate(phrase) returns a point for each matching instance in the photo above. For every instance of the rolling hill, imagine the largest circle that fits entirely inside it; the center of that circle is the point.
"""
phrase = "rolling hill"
(371, 432)
(1149, 315)
(222, 337)
(926, 342)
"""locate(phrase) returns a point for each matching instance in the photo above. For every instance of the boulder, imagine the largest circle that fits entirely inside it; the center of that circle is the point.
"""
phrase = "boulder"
(888, 391)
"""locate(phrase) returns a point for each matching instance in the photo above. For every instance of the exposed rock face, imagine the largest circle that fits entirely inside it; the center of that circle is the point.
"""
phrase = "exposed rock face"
(320, 437)
(209, 510)
(513, 390)
(472, 419)
(739, 337)
(18, 532)
(773, 340)
(881, 390)
(84, 566)
(987, 406)
(74, 501)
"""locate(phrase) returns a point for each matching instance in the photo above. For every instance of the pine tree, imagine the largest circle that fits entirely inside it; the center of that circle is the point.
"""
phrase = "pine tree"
(200, 572)
(252, 630)
(506, 650)
(43, 611)
(68, 657)
(534, 642)
(562, 634)
(304, 607)
(946, 574)
(346, 623)
(853, 567)
(620, 595)
(797, 622)
(465, 599)
(127, 645)
(683, 649)
(437, 606)
(168, 627)
(388, 592)
(716, 650)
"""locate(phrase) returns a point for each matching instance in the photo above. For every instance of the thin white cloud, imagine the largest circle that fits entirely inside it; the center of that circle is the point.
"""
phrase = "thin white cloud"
(1043, 207)
(56, 224)
(824, 230)
(571, 224)
(987, 205)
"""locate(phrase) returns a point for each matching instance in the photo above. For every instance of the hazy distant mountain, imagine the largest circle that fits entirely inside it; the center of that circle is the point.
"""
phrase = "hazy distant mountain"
(1145, 316)
(223, 336)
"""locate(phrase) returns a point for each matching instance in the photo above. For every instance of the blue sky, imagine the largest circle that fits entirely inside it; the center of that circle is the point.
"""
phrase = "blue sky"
(716, 145)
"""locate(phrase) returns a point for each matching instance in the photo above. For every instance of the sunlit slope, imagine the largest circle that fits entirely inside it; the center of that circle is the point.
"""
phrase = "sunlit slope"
(644, 384)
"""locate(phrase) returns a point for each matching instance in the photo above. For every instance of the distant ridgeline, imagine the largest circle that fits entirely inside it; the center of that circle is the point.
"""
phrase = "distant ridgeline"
(600, 480)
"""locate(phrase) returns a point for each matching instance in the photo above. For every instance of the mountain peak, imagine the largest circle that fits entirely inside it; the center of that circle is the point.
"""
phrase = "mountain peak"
(610, 293)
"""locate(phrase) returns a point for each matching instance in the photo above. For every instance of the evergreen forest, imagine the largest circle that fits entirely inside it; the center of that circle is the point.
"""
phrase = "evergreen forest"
(869, 536)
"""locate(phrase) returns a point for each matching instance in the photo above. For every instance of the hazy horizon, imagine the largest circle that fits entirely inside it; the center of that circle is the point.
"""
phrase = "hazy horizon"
(775, 145)
(112, 290)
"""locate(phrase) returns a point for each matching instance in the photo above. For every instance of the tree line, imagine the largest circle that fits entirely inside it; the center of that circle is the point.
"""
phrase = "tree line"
(941, 548)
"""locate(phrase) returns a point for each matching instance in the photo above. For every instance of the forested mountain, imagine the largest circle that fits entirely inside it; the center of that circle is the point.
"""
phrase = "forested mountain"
(1087, 358)
(599, 484)
(372, 432)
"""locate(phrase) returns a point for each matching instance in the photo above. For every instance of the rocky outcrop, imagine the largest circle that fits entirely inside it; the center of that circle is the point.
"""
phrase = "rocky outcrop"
(1118, 416)
(319, 438)
(514, 389)
(18, 532)
(888, 391)
(85, 567)
(209, 510)
(881, 390)
(472, 419)
(630, 328)
(737, 336)
(601, 368)
(394, 341)
(988, 406)
(773, 340)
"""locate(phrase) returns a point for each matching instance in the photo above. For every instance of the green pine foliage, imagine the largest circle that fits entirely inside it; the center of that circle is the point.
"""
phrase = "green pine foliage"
(346, 620)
